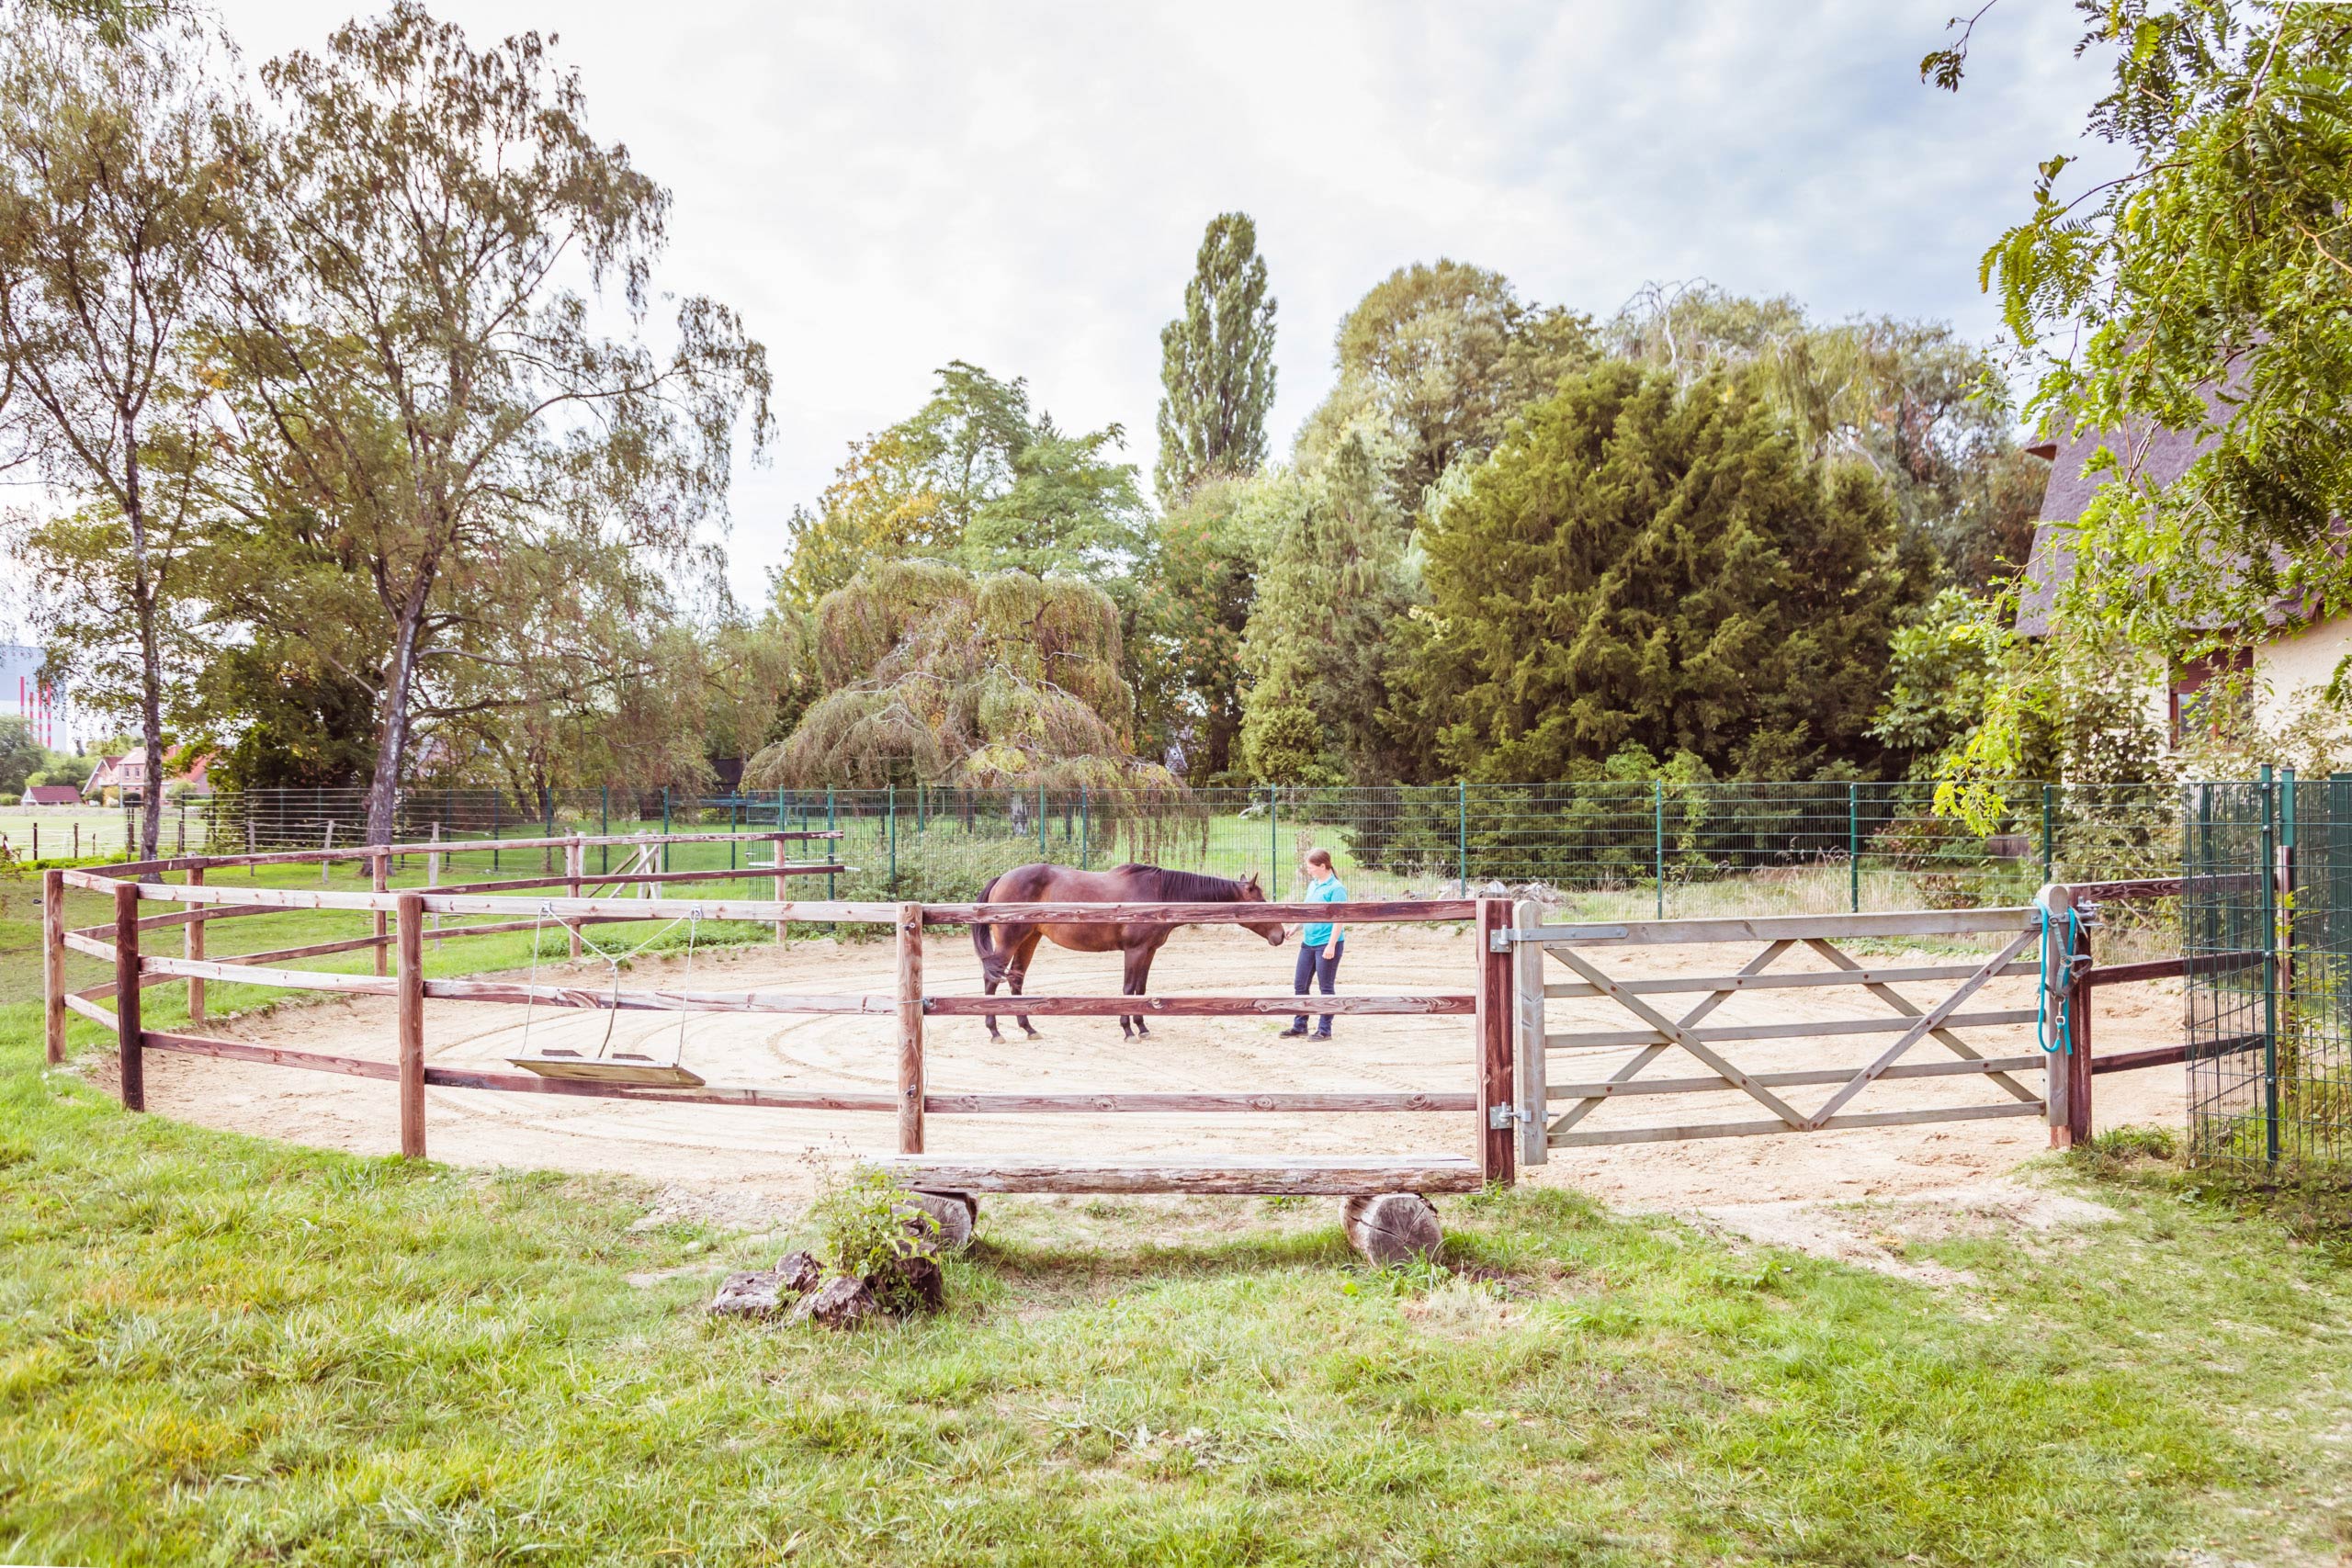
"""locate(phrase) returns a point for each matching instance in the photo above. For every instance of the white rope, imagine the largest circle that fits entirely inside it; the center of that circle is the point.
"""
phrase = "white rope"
(613, 958)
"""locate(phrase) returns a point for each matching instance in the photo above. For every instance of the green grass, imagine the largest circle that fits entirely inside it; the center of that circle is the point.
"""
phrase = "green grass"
(216, 1349)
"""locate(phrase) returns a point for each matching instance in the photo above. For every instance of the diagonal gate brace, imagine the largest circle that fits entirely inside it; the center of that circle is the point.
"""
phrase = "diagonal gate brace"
(1682, 1036)
(1930, 1019)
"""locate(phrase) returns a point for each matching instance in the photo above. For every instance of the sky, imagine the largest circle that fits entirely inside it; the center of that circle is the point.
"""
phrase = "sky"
(880, 187)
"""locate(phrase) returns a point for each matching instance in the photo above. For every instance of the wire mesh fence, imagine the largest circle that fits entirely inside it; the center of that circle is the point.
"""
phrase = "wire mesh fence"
(2266, 906)
(1629, 848)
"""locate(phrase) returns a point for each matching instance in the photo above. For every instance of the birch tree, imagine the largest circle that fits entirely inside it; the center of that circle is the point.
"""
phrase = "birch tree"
(433, 342)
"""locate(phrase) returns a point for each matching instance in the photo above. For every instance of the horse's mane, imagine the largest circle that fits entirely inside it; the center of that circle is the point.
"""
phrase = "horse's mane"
(1187, 886)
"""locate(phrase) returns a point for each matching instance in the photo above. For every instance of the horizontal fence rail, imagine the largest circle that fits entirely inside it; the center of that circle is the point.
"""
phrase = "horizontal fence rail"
(405, 920)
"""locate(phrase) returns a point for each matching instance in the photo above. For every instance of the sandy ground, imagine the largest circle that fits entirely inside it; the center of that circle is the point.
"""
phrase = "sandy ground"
(739, 1163)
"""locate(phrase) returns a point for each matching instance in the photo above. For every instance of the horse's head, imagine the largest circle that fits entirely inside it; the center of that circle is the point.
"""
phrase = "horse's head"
(1274, 931)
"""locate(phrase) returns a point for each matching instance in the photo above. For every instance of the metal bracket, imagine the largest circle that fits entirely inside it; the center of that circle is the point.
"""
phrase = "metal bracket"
(1501, 1116)
(1509, 936)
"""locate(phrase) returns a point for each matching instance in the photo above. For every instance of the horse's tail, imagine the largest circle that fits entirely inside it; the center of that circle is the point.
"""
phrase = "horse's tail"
(992, 965)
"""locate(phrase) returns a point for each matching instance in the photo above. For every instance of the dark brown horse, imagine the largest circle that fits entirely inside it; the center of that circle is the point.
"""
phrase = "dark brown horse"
(1006, 958)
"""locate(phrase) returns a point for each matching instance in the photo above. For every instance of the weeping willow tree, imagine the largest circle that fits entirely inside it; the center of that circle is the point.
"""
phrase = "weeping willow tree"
(936, 676)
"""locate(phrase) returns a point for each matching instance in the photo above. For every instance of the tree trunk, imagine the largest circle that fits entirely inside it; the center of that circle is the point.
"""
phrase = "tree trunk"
(150, 677)
(391, 743)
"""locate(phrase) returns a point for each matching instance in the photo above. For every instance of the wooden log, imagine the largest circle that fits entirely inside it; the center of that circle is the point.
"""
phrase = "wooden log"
(1498, 1005)
(1462, 1005)
(192, 946)
(950, 1216)
(1333, 1178)
(1117, 1102)
(910, 1012)
(575, 866)
(2133, 1061)
(89, 947)
(1375, 912)
(268, 1056)
(259, 974)
(76, 1002)
(379, 867)
(411, 1025)
(126, 997)
(52, 964)
(606, 1001)
(1392, 1229)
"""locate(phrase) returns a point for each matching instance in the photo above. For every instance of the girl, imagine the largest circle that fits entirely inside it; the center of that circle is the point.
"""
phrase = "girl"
(1319, 946)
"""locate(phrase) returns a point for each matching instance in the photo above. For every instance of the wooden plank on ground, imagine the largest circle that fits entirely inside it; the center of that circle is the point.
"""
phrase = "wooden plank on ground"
(1332, 1177)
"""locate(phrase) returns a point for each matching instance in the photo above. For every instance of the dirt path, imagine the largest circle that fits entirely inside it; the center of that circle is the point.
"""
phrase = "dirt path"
(746, 1159)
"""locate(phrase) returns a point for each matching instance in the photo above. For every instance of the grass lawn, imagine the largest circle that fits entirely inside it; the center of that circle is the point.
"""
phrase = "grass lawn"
(214, 1348)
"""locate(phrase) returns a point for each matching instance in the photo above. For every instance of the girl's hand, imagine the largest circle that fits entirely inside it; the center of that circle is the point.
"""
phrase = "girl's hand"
(1332, 951)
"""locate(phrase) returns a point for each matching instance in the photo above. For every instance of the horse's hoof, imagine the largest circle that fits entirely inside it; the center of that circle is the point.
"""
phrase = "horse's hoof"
(1035, 1034)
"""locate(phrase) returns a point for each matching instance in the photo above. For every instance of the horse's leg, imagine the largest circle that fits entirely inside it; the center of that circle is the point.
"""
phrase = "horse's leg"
(993, 968)
(1018, 971)
(1139, 978)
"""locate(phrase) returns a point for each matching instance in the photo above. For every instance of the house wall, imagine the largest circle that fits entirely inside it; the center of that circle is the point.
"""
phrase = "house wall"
(2290, 666)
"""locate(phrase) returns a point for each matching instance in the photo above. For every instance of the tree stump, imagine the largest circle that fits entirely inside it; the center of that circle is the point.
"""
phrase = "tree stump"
(844, 1302)
(1392, 1228)
(952, 1214)
(757, 1295)
(799, 1272)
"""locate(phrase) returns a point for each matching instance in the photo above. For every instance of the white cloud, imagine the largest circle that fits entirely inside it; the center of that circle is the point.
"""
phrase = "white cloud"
(881, 187)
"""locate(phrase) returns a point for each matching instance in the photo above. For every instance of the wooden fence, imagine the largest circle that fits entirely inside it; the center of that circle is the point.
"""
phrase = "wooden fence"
(404, 920)
(2068, 984)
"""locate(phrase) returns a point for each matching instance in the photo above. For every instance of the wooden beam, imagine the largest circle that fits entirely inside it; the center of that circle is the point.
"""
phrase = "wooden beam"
(1979, 1066)
(255, 975)
(1461, 1005)
(2133, 1061)
(1332, 1177)
(1118, 1103)
(910, 1030)
(1529, 1068)
(1792, 928)
(1386, 911)
(1498, 1005)
(192, 946)
(605, 1001)
(1759, 1129)
(125, 999)
(52, 964)
(1785, 980)
(1801, 1029)
(89, 947)
(76, 1002)
(410, 979)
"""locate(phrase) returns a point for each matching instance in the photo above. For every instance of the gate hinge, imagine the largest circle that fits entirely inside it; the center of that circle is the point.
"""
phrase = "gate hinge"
(1501, 1116)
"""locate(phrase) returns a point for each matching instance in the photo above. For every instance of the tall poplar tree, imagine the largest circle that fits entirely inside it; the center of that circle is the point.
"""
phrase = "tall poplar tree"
(1216, 364)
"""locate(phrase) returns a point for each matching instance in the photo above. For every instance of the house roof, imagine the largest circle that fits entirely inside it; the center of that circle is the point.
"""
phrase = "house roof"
(2162, 456)
(54, 794)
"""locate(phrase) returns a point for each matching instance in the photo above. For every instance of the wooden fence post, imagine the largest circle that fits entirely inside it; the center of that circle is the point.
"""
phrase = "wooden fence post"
(53, 962)
(910, 1085)
(380, 866)
(575, 866)
(126, 996)
(1497, 1002)
(2057, 1077)
(1527, 1031)
(411, 1024)
(781, 892)
(2078, 1040)
(194, 947)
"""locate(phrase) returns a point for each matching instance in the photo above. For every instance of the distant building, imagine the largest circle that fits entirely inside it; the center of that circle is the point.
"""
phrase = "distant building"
(54, 794)
(122, 780)
(2291, 653)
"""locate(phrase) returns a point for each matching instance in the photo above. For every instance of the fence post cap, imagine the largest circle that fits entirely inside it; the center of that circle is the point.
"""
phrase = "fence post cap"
(2056, 897)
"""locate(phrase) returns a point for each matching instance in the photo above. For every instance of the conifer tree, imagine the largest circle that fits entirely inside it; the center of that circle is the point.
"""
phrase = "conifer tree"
(1218, 364)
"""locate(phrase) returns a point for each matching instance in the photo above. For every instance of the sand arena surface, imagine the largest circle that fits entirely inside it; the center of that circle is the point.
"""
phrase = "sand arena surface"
(746, 1159)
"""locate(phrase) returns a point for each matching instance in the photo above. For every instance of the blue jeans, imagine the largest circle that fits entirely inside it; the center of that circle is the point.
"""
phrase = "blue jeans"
(1314, 969)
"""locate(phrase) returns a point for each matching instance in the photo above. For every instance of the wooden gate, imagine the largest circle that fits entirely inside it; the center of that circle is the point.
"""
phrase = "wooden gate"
(1564, 1075)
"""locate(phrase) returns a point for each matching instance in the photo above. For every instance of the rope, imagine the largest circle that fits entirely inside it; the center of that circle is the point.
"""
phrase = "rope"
(613, 958)
(2064, 1042)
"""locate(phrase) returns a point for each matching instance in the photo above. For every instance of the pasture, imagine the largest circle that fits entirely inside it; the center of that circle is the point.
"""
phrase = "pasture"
(221, 1346)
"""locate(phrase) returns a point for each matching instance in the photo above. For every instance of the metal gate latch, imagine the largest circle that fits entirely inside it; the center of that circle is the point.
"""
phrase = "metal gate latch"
(1501, 1116)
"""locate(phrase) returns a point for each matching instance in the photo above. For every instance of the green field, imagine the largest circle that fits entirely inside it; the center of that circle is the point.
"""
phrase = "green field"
(214, 1348)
